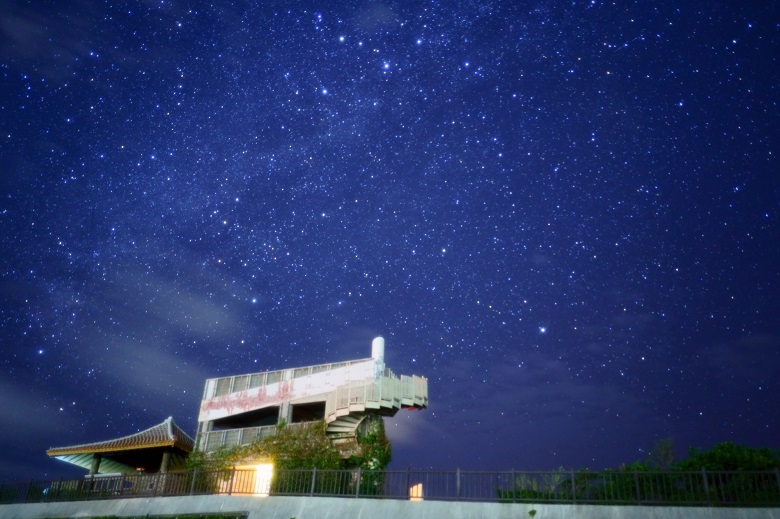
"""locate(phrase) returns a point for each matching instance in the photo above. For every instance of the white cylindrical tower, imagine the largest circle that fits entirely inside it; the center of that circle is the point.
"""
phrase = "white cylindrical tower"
(378, 354)
(378, 349)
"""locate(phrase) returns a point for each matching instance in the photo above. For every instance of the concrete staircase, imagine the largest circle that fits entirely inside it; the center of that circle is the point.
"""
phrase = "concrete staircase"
(344, 428)
(349, 404)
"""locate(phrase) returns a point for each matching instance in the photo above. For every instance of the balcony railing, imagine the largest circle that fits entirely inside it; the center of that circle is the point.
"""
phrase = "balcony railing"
(213, 440)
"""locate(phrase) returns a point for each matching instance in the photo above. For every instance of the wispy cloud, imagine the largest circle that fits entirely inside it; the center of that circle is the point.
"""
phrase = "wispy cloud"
(34, 415)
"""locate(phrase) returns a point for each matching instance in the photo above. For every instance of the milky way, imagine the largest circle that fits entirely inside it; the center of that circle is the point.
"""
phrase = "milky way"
(564, 215)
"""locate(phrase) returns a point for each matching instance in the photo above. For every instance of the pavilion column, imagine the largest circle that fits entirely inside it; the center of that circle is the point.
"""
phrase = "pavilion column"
(96, 457)
(166, 460)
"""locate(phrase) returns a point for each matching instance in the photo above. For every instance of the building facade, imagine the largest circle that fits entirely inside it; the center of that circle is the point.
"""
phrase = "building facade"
(240, 409)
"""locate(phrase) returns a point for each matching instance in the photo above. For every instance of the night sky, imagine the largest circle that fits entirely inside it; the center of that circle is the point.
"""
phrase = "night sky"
(565, 214)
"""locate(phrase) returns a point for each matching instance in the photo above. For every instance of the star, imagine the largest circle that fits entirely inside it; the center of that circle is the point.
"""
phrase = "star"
(592, 182)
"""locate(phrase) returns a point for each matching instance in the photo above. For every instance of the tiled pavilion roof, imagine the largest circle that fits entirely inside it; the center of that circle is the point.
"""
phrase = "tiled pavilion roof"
(166, 434)
(117, 455)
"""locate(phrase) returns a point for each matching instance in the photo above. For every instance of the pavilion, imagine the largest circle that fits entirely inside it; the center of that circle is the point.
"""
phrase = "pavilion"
(161, 448)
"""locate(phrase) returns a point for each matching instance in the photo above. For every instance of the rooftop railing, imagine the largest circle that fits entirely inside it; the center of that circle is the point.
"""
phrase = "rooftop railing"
(705, 488)
(233, 384)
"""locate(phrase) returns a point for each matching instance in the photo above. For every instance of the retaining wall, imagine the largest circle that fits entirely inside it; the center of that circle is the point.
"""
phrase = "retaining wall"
(283, 507)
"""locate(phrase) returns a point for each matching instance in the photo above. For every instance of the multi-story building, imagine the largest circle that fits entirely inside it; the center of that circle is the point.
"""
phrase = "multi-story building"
(238, 410)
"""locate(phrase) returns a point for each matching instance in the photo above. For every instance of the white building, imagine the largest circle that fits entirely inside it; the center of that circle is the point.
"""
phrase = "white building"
(240, 409)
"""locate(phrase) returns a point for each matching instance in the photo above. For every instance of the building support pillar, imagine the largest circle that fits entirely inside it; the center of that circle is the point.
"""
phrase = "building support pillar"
(96, 458)
(166, 461)
(285, 413)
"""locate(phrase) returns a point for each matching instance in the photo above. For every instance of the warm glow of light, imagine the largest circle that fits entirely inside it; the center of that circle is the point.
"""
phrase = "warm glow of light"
(416, 492)
(262, 477)
(249, 480)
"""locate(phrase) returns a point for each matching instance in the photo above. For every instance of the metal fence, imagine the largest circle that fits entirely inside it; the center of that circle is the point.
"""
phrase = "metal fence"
(703, 488)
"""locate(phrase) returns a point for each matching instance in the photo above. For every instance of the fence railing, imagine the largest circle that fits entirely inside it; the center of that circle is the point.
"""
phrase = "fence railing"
(703, 488)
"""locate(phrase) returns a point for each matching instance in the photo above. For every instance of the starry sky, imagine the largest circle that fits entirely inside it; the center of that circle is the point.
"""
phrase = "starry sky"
(565, 214)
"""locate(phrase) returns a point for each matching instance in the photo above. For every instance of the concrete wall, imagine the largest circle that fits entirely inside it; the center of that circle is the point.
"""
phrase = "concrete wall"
(339, 508)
